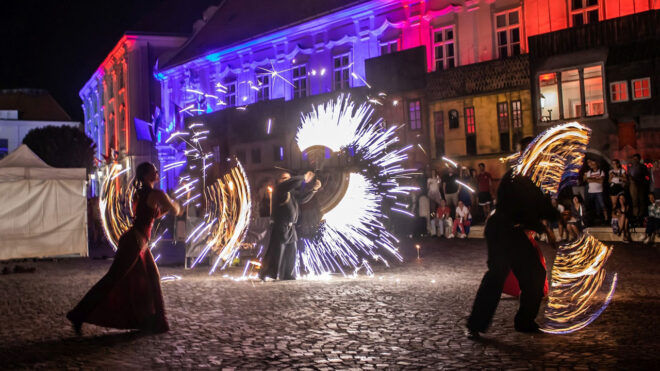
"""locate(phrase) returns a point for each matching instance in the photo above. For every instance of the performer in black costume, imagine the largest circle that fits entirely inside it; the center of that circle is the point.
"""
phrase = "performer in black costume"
(280, 257)
(520, 205)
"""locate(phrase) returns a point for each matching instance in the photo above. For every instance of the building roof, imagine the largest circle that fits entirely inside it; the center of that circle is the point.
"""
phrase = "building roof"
(480, 78)
(33, 104)
(175, 17)
(241, 20)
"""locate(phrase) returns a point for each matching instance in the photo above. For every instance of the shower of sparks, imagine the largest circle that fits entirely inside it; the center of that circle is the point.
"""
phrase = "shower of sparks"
(555, 157)
(578, 274)
(553, 161)
(354, 228)
(114, 205)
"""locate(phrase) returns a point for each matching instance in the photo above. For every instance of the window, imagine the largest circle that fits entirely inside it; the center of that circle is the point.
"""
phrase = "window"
(299, 81)
(240, 155)
(573, 93)
(439, 124)
(415, 114)
(389, 47)
(516, 114)
(619, 91)
(503, 125)
(230, 94)
(641, 88)
(593, 91)
(263, 84)
(453, 119)
(4, 147)
(443, 47)
(341, 68)
(256, 155)
(584, 11)
(470, 132)
(278, 153)
(507, 31)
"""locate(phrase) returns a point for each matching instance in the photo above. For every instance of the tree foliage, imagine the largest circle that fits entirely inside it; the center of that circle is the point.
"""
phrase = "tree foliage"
(62, 146)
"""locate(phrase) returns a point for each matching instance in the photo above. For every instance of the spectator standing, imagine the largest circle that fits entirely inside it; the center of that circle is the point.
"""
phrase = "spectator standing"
(575, 223)
(655, 176)
(443, 220)
(618, 178)
(620, 217)
(638, 174)
(425, 212)
(450, 188)
(653, 221)
(561, 222)
(485, 181)
(462, 220)
(433, 185)
(464, 194)
(594, 178)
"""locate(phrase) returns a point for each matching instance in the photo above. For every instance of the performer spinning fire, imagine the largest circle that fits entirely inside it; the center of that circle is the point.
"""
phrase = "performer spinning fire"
(280, 258)
(129, 295)
(520, 206)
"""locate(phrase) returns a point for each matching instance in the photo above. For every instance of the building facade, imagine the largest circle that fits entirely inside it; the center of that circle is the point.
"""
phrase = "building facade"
(120, 99)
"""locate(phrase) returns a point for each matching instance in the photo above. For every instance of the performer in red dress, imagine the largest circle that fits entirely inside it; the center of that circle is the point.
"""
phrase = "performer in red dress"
(511, 285)
(129, 295)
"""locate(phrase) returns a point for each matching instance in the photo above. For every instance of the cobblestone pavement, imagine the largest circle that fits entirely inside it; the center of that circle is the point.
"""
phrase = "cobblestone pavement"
(407, 317)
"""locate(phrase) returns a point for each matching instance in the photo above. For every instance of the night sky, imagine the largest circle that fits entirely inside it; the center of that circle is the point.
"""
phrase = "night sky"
(57, 44)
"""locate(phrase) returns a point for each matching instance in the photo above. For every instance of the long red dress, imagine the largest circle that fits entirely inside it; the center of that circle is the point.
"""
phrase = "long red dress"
(129, 295)
(511, 286)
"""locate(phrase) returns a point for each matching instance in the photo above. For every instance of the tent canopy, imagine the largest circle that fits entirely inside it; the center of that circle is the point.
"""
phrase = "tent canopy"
(44, 209)
(24, 164)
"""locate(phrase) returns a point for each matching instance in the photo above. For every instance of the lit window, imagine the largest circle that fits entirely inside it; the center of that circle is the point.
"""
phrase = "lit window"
(593, 91)
(516, 114)
(507, 32)
(503, 125)
(299, 81)
(619, 91)
(263, 83)
(389, 47)
(470, 132)
(576, 87)
(641, 88)
(444, 48)
(415, 114)
(230, 94)
(584, 12)
(341, 69)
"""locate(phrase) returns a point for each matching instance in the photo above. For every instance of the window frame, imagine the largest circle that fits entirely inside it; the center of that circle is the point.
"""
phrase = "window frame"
(253, 158)
(632, 88)
(295, 80)
(341, 68)
(388, 45)
(230, 93)
(583, 12)
(611, 91)
(470, 136)
(263, 94)
(418, 118)
(508, 28)
(516, 115)
(444, 43)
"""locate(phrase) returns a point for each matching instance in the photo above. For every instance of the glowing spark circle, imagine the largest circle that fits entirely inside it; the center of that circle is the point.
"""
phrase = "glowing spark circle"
(353, 229)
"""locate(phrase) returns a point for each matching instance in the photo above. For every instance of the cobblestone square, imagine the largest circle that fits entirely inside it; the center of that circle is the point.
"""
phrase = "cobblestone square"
(409, 316)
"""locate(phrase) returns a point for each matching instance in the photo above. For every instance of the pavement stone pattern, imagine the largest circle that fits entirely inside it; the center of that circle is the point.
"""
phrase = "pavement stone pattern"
(409, 316)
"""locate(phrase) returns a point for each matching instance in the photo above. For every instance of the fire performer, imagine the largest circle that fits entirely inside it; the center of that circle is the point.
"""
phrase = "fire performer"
(280, 258)
(521, 206)
(129, 296)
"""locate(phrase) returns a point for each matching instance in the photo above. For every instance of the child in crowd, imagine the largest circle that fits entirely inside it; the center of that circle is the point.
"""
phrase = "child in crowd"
(443, 220)
(462, 220)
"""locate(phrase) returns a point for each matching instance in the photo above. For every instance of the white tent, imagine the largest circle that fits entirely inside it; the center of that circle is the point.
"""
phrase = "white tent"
(43, 210)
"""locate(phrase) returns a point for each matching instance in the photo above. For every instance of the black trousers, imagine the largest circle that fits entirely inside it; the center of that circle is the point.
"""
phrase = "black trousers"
(279, 261)
(508, 249)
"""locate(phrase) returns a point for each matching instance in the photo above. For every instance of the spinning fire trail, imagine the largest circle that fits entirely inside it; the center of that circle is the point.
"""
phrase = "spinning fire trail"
(553, 161)
(353, 229)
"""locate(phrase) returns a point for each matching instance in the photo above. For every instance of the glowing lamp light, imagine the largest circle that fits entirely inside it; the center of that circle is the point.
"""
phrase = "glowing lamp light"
(322, 71)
